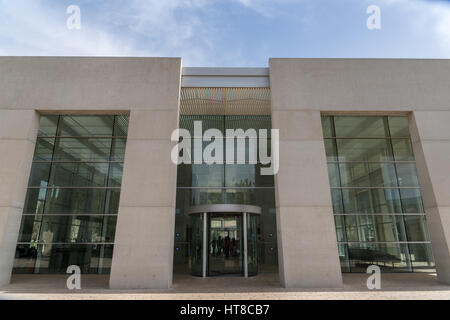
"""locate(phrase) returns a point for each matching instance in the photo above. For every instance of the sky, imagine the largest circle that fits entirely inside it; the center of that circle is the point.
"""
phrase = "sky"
(226, 33)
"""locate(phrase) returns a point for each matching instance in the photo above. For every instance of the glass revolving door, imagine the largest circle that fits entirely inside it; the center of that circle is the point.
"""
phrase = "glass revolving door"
(252, 244)
(224, 240)
(196, 246)
(225, 244)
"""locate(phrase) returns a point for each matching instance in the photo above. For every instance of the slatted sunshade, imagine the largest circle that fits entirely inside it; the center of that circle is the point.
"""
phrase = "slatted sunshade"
(225, 101)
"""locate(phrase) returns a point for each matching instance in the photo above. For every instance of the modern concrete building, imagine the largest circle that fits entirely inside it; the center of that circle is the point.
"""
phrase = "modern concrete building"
(87, 177)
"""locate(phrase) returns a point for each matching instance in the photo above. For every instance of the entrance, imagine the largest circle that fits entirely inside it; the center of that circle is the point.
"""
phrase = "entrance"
(225, 240)
(225, 244)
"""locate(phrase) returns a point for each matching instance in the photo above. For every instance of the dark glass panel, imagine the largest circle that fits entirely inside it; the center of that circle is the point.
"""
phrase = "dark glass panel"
(364, 150)
(327, 126)
(242, 175)
(340, 228)
(121, 126)
(407, 174)
(371, 201)
(118, 149)
(416, 227)
(184, 175)
(412, 201)
(422, 257)
(39, 174)
(264, 198)
(241, 196)
(44, 149)
(375, 228)
(330, 149)
(336, 198)
(29, 228)
(364, 174)
(35, 200)
(55, 258)
(389, 257)
(403, 150)
(76, 201)
(263, 180)
(82, 149)
(204, 175)
(360, 126)
(333, 175)
(47, 125)
(79, 174)
(398, 126)
(80, 229)
(87, 126)
(115, 174)
(343, 257)
(112, 201)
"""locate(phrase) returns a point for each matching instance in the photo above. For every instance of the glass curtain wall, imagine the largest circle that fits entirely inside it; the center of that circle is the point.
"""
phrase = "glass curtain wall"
(199, 184)
(377, 202)
(72, 201)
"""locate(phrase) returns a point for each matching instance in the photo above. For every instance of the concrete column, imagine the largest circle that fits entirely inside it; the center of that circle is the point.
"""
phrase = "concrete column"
(307, 244)
(430, 133)
(143, 251)
(18, 131)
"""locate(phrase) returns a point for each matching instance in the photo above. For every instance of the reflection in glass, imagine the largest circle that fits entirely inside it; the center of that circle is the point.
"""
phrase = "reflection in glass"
(55, 258)
(402, 150)
(360, 126)
(68, 229)
(375, 228)
(364, 150)
(223, 184)
(371, 201)
(44, 149)
(398, 126)
(88, 126)
(412, 201)
(375, 193)
(367, 174)
(389, 257)
(48, 125)
(74, 181)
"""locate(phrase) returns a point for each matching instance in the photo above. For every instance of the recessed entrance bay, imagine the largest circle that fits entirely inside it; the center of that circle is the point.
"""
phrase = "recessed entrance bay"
(224, 240)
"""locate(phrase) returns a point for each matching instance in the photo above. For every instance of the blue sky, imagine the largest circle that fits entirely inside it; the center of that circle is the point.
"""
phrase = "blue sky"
(227, 32)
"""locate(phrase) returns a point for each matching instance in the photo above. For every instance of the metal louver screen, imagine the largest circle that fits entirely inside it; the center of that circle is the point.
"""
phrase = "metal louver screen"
(225, 101)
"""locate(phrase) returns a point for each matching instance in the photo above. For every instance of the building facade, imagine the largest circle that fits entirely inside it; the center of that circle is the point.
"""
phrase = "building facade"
(359, 151)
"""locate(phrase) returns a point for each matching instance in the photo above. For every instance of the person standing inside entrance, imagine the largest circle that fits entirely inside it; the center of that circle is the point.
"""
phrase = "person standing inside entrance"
(219, 245)
(213, 246)
(227, 246)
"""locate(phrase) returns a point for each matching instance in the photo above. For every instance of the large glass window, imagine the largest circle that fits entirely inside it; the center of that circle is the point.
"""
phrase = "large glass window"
(376, 196)
(199, 184)
(72, 200)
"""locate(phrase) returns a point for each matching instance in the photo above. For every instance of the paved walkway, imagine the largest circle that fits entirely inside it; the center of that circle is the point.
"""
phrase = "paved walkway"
(265, 286)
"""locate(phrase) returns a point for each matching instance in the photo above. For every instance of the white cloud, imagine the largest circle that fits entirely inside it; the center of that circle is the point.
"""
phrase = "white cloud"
(33, 28)
(199, 32)
(426, 19)
(267, 8)
(141, 28)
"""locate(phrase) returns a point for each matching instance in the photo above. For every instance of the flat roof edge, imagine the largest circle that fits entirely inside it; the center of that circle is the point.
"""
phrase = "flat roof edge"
(225, 72)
